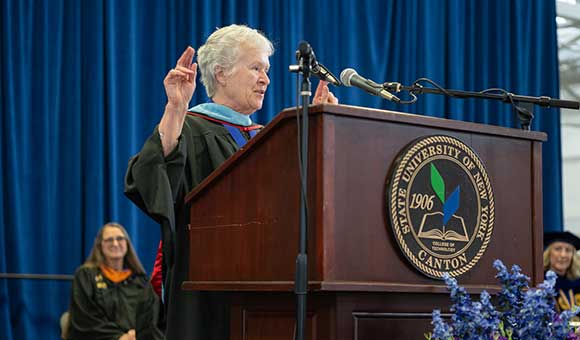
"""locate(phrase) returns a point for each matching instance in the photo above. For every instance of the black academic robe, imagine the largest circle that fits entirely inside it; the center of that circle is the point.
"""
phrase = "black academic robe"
(567, 293)
(104, 310)
(158, 185)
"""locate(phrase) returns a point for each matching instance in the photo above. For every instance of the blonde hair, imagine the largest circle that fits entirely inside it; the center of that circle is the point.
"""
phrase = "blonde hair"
(96, 257)
(573, 271)
(222, 49)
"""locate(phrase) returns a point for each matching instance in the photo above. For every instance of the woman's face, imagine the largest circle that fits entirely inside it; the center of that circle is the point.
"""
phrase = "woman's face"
(243, 90)
(114, 244)
(561, 254)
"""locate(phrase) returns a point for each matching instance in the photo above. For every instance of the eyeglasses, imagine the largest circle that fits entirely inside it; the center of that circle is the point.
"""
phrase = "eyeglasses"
(119, 239)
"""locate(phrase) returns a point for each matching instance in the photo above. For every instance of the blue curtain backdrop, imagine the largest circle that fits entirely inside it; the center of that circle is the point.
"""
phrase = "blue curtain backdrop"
(81, 89)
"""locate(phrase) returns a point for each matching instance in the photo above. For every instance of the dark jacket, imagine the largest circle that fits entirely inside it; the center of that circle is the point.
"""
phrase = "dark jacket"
(102, 309)
(158, 185)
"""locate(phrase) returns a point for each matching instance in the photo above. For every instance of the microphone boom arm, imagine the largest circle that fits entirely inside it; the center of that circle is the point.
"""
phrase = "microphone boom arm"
(524, 112)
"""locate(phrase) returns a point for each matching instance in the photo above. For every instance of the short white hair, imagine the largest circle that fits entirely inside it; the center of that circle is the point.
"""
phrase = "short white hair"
(222, 49)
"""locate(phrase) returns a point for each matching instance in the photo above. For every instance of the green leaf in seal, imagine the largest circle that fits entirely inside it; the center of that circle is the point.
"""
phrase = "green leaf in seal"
(437, 183)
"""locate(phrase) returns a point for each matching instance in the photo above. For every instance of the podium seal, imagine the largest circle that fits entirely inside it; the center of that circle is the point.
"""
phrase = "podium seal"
(441, 205)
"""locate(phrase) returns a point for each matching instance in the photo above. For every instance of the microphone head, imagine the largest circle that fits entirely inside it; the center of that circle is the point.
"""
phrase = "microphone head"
(346, 75)
(304, 49)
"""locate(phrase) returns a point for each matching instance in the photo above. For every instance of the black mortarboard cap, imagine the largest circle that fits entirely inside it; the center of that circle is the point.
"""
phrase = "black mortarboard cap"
(562, 236)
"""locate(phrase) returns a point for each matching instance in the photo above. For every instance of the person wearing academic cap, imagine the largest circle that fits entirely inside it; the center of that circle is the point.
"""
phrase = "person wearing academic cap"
(560, 256)
(187, 146)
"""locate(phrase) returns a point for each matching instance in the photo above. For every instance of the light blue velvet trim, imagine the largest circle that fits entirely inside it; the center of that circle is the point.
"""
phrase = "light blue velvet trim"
(222, 113)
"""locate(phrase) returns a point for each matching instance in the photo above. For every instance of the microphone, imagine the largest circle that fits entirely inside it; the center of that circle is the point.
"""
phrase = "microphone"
(350, 77)
(306, 53)
(323, 73)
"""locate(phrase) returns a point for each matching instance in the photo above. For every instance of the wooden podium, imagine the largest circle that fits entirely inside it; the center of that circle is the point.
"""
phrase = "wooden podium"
(245, 223)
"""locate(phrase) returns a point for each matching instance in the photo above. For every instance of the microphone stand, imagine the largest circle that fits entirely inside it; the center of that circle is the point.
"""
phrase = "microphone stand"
(523, 105)
(304, 58)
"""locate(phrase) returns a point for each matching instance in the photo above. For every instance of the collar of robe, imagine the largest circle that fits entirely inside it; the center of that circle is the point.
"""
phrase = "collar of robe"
(224, 115)
(115, 275)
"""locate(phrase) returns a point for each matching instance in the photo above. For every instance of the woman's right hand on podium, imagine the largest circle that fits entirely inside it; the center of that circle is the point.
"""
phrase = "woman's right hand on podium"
(130, 335)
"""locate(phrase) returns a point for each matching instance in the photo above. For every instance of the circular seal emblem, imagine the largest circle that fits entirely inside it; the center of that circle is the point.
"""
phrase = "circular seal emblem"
(441, 206)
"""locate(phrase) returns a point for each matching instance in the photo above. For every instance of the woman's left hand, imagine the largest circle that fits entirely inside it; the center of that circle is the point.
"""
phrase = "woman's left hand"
(323, 94)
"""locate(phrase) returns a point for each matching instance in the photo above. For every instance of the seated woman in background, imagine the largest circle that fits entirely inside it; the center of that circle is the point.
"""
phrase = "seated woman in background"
(560, 256)
(111, 296)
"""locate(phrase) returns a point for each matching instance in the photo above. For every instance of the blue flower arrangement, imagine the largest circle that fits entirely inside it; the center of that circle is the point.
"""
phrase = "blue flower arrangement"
(522, 313)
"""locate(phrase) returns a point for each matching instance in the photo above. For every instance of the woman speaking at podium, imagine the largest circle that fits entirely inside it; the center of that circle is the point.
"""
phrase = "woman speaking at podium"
(187, 145)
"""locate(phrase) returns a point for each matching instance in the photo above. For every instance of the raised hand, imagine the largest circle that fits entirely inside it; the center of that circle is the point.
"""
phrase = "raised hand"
(323, 94)
(180, 82)
(179, 86)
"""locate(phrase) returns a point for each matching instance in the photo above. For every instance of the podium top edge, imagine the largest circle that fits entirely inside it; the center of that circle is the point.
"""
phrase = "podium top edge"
(415, 119)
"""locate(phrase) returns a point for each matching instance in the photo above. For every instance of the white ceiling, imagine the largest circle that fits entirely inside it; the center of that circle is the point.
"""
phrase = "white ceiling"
(569, 48)
(569, 54)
